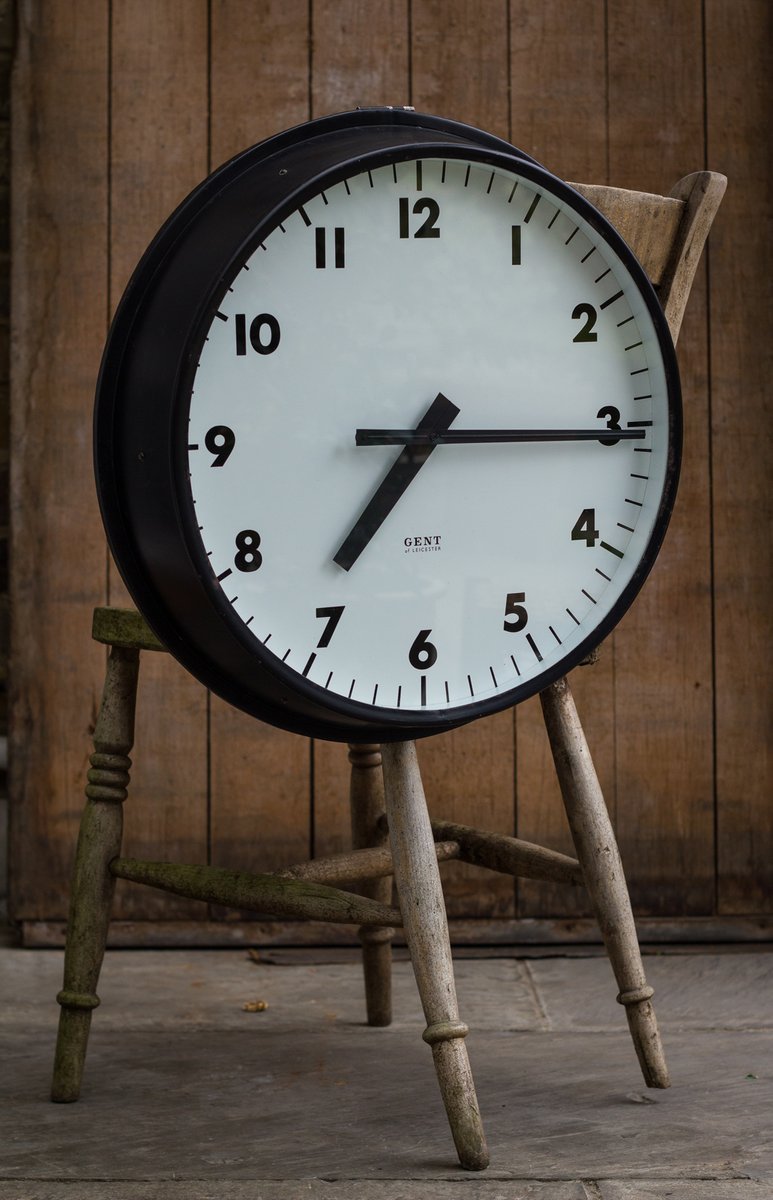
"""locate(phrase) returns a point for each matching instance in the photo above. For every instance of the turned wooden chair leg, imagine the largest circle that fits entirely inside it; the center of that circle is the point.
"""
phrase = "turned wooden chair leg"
(426, 931)
(599, 857)
(92, 886)
(366, 798)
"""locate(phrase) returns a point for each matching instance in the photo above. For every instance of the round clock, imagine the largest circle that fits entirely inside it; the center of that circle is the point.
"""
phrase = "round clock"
(387, 428)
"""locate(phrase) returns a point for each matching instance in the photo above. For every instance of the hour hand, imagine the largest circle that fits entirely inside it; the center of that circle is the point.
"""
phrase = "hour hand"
(436, 419)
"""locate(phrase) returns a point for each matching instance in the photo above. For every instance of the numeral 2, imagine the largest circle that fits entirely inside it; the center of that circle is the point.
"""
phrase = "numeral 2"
(589, 314)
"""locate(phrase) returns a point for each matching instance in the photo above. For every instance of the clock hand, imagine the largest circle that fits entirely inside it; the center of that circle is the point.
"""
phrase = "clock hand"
(436, 419)
(457, 437)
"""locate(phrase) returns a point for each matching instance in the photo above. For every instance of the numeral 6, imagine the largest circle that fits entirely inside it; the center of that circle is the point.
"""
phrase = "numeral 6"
(422, 654)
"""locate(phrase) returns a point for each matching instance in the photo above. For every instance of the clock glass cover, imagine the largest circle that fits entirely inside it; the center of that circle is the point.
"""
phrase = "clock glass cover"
(423, 442)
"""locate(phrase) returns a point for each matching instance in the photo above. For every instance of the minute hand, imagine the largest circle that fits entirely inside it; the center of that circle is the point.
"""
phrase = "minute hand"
(429, 437)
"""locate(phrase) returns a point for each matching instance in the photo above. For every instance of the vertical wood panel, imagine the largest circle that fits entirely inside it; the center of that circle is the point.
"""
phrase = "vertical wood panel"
(460, 70)
(663, 682)
(158, 153)
(259, 71)
(360, 58)
(359, 54)
(459, 64)
(565, 127)
(559, 86)
(260, 776)
(59, 269)
(597, 90)
(739, 40)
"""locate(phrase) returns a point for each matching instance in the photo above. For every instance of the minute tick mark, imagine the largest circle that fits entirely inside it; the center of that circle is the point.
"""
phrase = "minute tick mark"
(534, 647)
(532, 207)
(611, 299)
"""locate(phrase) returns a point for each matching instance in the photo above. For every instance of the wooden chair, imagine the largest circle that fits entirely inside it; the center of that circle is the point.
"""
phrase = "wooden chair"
(391, 830)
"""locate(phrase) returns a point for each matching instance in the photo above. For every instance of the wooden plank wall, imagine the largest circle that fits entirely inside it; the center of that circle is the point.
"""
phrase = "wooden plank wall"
(119, 108)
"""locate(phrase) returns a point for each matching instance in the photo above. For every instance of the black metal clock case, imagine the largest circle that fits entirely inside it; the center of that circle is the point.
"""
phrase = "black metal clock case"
(149, 360)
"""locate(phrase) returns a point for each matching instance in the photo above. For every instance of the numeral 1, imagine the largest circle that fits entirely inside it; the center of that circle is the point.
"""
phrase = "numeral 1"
(516, 245)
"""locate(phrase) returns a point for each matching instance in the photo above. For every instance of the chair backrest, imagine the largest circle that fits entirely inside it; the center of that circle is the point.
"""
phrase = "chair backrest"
(666, 233)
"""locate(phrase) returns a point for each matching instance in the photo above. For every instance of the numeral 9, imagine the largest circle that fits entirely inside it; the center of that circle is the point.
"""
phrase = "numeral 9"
(220, 441)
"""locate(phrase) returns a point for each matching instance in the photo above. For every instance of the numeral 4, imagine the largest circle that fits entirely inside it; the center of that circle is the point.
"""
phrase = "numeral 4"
(584, 528)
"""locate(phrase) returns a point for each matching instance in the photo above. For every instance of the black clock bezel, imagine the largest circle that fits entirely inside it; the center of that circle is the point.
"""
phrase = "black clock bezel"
(144, 390)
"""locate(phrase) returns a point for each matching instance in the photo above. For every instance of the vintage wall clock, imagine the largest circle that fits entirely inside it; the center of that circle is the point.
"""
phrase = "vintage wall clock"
(387, 428)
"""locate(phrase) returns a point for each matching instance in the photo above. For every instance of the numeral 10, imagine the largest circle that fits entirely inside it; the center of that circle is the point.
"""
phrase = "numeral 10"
(264, 333)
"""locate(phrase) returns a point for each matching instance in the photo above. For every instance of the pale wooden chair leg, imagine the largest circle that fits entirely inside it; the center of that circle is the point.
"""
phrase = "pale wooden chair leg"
(92, 886)
(599, 857)
(366, 797)
(426, 931)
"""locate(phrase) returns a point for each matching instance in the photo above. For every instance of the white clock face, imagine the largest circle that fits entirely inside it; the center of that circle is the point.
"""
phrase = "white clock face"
(477, 311)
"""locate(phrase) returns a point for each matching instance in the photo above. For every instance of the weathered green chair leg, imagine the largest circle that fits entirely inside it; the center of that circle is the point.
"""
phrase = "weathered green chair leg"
(602, 868)
(426, 932)
(92, 886)
(367, 809)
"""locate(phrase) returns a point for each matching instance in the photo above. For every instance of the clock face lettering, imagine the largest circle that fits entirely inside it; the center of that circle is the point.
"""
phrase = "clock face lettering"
(430, 436)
